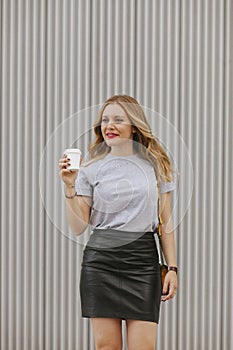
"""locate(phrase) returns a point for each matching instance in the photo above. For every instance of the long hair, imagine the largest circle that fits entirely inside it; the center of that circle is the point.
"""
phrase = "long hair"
(145, 143)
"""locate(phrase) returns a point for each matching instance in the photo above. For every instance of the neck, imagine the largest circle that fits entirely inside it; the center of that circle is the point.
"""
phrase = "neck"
(122, 151)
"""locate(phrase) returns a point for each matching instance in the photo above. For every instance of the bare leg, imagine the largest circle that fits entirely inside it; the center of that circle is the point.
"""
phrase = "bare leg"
(107, 333)
(141, 335)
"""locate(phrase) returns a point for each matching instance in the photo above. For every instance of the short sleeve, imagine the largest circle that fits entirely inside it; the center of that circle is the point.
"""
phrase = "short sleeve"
(82, 185)
(167, 187)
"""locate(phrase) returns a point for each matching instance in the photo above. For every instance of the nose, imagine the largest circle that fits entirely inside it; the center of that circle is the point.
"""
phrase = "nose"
(110, 123)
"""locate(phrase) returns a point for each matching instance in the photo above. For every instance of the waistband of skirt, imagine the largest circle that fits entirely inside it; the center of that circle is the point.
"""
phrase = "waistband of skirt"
(106, 238)
(122, 233)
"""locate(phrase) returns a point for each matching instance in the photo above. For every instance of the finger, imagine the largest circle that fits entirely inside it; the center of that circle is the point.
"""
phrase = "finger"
(66, 171)
(64, 163)
(171, 294)
(62, 166)
(165, 288)
(166, 297)
(64, 160)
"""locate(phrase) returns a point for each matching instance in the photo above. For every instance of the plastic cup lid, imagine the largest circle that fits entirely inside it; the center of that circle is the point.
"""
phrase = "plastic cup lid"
(73, 150)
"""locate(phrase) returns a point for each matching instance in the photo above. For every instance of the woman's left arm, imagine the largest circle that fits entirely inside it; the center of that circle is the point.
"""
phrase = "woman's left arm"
(168, 244)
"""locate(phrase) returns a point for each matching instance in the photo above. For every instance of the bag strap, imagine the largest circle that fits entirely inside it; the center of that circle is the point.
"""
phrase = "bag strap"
(159, 229)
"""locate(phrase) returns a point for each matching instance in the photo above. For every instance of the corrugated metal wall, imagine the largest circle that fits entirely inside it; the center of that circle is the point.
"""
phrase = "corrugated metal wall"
(59, 61)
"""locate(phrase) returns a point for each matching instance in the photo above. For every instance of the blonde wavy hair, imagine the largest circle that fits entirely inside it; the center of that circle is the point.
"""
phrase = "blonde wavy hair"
(146, 144)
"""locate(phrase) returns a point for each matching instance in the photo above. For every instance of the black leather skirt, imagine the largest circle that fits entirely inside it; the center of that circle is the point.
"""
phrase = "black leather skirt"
(120, 276)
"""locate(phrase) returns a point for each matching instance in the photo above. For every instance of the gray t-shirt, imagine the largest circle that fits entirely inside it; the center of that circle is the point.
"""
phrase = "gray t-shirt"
(124, 193)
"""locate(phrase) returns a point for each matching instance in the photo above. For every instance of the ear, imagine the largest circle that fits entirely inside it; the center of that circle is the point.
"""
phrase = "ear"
(134, 130)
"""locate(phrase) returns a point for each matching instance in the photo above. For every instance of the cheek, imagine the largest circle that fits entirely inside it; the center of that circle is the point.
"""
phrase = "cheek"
(129, 130)
(125, 132)
(102, 129)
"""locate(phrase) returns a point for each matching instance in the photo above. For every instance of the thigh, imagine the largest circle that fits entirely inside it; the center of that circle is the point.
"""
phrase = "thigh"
(141, 335)
(107, 332)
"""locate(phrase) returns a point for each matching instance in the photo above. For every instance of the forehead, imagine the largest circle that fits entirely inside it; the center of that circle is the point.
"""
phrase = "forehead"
(114, 109)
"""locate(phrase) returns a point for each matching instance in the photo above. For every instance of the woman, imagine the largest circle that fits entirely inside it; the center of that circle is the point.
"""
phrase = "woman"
(116, 193)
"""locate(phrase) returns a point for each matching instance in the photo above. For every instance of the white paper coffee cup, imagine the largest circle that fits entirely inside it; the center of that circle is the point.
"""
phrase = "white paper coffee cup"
(74, 154)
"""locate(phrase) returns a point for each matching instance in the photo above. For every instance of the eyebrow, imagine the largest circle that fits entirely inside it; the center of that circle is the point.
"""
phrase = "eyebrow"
(115, 116)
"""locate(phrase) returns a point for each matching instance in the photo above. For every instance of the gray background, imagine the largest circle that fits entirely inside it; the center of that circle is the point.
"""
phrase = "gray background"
(60, 58)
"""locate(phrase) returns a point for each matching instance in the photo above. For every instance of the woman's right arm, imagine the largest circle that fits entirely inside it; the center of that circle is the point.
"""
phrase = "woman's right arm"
(78, 208)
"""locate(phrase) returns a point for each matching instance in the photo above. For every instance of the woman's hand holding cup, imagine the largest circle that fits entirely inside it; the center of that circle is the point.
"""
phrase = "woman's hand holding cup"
(68, 175)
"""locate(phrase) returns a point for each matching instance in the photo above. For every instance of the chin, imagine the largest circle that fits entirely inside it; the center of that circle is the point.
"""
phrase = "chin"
(112, 142)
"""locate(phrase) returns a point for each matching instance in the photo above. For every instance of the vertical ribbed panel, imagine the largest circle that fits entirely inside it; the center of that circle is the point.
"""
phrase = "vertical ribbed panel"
(59, 59)
(22, 141)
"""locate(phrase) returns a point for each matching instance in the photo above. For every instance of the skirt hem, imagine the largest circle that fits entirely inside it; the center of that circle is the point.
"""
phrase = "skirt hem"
(89, 315)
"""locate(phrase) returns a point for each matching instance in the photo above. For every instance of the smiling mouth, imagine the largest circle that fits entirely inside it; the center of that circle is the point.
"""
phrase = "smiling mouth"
(111, 135)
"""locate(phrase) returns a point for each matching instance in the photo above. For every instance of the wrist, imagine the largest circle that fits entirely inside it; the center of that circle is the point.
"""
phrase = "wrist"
(70, 196)
(70, 185)
(70, 192)
(173, 268)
